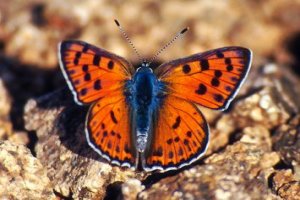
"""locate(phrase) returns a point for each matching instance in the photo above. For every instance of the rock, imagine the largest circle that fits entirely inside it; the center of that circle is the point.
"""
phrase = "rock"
(131, 188)
(92, 21)
(254, 146)
(247, 168)
(237, 173)
(5, 100)
(22, 176)
(285, 185)
(265, 106)
(240, 162)
(6, 124)
(286, 140)
(5, 106)
(19, 137)
(63, 150)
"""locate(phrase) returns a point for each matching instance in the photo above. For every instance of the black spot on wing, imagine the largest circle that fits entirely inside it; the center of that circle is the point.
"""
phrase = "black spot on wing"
(127, 149)
(219, 54)
(97, 84)
(201, 89)
(70, 72)
(170, 141)
(96, 60)
(204, 64)
(218, 73)
(215, 82)
(171, 154)
(158, 152)
(177, 123)
(110, 65)
(219, 98)
(77, 57)
(228, 88)
(105, 133)
(229, 68)
(109, 145)
(228, 61)
(180, 152)
(189, 134)
(83, 91)
(87, 77)
(85, 48)
(113, 117)
(186, 69)
(85, 68)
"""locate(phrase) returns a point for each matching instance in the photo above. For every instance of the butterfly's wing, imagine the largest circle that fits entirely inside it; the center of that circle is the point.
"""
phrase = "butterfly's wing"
(99, 77)
(210, 79)
(91, 72)
(180, 137)
(108, 130)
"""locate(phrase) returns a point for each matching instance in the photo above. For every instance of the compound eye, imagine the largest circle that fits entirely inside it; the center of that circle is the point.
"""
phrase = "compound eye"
(145, 64)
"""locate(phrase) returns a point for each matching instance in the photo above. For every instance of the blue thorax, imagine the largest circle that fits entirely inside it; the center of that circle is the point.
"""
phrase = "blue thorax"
(143, 96)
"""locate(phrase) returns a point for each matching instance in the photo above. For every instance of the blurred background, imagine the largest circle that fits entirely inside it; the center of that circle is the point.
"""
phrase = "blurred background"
(30, 31)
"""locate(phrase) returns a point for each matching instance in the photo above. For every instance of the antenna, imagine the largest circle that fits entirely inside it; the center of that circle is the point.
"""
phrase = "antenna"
(129, 41)
(169, 43)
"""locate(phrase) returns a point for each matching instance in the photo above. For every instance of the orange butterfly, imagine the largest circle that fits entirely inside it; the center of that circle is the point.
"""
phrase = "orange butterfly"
(150, 117)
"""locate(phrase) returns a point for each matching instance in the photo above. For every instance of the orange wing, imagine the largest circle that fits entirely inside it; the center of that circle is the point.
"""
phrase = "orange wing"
(108, 130)
(210, 79)
(180, 137)
(97, 76)
(91, 72)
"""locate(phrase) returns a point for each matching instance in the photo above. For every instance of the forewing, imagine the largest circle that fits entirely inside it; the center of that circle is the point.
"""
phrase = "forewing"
(180, 137)
(210, 79)
(108, 130)
(91, 72)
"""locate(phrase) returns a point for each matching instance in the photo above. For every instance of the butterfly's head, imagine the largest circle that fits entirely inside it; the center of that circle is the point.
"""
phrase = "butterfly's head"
(145, 64)
(145, 67)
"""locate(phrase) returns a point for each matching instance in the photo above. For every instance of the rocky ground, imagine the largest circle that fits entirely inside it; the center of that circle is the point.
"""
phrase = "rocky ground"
(254, 151)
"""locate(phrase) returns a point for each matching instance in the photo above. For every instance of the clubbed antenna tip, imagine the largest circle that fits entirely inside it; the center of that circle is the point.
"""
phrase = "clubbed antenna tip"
(116, 21)
(179, 34)
(129, 41)
(184, 30)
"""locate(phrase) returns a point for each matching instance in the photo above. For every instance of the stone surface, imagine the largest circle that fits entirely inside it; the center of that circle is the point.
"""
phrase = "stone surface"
(63, 150)
(254, 147)
(264, 104)
(5, 106)
(22, 176)
(212, 25)
(242, 160)
(285, 185)
(286, 140)
(240, 172)
(5, 100)
(131, 188)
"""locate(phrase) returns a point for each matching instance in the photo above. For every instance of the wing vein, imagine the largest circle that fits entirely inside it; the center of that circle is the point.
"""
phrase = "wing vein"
(185, 150)
(113, 103)
(194, 100)
(205, 84)
(175, 108)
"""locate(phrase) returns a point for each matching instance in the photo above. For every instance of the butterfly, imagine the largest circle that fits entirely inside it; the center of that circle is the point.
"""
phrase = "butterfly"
(149, 118)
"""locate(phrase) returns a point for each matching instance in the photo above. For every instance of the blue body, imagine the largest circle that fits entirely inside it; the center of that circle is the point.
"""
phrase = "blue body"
(144, 94)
